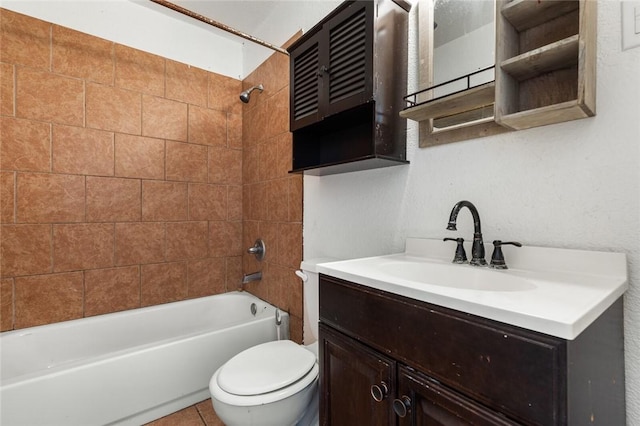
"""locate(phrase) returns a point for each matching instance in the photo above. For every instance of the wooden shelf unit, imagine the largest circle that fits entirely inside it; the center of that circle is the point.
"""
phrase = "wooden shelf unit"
(546, 60)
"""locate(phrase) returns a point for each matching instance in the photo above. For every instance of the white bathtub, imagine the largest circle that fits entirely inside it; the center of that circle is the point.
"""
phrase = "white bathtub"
(128, 367)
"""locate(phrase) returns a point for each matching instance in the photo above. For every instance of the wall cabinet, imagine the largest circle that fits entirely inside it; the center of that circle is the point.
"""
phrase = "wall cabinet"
(431, 365)
(348, 74)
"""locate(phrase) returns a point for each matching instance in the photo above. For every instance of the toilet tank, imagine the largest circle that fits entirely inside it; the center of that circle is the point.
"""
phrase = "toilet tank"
(308, 273)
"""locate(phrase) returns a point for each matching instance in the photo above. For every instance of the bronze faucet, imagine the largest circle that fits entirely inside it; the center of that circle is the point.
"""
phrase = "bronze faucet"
(477, 249)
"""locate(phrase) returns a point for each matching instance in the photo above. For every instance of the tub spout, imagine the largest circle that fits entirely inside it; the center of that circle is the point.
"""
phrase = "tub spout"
(256, 276)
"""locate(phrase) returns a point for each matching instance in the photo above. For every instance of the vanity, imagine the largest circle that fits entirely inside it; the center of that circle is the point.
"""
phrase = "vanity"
(538, 344)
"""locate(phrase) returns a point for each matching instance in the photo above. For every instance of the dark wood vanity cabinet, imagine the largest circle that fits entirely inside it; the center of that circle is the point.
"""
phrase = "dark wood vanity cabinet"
(432, 365)
(348, 75)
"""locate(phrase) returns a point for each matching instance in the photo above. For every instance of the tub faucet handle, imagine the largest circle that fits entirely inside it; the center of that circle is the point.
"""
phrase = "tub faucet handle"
(258, 250)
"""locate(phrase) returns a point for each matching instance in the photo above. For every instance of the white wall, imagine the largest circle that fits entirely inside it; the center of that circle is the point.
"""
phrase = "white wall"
(574, 184)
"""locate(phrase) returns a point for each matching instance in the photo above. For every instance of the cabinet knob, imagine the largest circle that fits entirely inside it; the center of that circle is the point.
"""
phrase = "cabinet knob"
(379, 392)
(402, 406)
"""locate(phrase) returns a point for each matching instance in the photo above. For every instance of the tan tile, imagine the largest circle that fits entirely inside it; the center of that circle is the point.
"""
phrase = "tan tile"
(234, 208)
(234, 273)
(261, 287)
(234, 130)
(7, 86)
(25, 145)
(207, 126)
(46, 198)
(7, 197)
(110, 108)
(186, 83)
(250, 165)
(268, 155)
(111, 290)
(207, 202)
(163, 283)
(6, 304)
(186, 417)
(296, 188)
(139, 71)
(248, 213)
(207, 276)
(45, 299)
(278, 295)
(208, 414)
(225, 239)
(255, 125)
(285, 154)
(224, 93)
(81, 55)
(113, 199)
(164, 118)
(138, 243)
(293, 287)
(25, 250)
(260, 201)
(77, 150)
(164, 201)
(25, 40)
(139, 157)
(225, 166)
(278, 107)
(187, 240)
(270, 233)
(43, 96)
(291, 244)
(278, 199)
(82, 246)
(186, 162)
(273, 73)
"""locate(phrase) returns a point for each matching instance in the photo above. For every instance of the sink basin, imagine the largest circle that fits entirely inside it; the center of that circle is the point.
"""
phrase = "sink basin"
(455, 276)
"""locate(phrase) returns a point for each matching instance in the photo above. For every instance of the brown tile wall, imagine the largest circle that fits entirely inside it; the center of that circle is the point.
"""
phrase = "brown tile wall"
(120, 177)
(272, 199)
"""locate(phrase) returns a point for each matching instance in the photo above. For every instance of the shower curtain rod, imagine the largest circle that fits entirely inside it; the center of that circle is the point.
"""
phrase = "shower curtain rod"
(218, 25)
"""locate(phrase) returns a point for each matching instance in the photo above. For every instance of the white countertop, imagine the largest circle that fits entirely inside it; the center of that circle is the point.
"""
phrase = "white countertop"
(555, 291)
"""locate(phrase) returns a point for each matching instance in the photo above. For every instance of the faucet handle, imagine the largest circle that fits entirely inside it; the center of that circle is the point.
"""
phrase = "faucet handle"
(497, 258)
(461, 255)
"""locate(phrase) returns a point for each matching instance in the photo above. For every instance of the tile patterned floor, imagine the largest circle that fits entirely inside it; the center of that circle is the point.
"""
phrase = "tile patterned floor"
(201, 414)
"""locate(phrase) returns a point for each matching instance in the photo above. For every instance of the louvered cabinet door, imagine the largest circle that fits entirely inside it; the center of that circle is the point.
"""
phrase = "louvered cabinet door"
(348, 77)
(306, 83)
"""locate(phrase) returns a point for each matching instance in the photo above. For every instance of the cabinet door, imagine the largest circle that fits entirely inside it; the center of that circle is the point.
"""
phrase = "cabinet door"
(349, 370)
(306, 82)
(349, 66)
(423, 401)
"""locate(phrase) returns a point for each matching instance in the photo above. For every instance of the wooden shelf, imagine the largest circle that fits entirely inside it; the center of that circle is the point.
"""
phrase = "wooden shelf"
(454, 104)
(554, 56)
(525, 14)
(551, 114)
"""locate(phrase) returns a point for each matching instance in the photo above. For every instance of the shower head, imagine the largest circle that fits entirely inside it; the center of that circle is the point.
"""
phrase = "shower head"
(244, 96)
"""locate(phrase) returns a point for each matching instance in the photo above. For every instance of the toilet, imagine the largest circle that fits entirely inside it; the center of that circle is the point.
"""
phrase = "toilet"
(274, 383)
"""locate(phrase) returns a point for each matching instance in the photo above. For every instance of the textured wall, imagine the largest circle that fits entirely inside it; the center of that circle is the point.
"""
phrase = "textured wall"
(121, 176)
(575, 184)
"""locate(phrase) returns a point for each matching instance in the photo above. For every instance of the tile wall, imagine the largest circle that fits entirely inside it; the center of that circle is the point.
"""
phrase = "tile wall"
(120, 177)
(272, 197)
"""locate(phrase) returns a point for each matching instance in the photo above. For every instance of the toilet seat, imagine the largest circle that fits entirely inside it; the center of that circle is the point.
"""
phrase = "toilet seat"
(265, 373)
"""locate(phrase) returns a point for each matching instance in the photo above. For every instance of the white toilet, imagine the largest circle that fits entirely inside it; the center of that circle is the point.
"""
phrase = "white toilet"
(275, 383)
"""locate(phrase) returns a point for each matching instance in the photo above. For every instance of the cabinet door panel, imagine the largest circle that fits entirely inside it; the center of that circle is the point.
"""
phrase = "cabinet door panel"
(349, 371)
(350, 58)
(306, 83)
(433, 404)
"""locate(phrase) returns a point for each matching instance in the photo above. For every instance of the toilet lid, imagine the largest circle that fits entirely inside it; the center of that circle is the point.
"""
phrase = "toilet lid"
(265, 368)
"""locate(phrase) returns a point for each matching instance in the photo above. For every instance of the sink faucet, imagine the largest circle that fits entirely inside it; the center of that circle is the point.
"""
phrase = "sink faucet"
(477, 249)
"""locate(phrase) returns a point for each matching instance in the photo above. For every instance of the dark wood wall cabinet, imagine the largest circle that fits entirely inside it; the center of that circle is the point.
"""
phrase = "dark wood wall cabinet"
(348, 76)
(391, 360)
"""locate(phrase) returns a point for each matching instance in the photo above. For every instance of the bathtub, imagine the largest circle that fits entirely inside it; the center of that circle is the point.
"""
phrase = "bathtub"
(128, 367)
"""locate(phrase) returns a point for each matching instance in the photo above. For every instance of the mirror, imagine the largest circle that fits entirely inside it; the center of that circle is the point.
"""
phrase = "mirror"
(457, 55)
